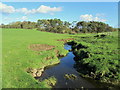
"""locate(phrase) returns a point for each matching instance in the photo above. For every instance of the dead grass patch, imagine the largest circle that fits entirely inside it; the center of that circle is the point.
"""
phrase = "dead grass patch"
(65, 40)
(40, 47)
(48, 58)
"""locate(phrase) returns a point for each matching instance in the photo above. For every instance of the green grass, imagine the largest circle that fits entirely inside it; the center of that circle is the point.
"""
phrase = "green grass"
(17, 57)
(102, 57)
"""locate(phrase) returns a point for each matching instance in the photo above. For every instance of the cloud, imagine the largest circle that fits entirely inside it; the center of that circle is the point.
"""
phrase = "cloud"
(86, 17)
(26, 11)
(22, 10)
(99, 19)
(6, 9)
(47, 9)
(41, 9)
(24, 18)
(89, 17)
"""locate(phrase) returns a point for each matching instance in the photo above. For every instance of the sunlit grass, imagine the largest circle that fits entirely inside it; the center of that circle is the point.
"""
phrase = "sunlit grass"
(17, 57)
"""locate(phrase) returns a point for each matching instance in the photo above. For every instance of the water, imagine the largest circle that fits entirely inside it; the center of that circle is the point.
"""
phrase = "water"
(66, 67)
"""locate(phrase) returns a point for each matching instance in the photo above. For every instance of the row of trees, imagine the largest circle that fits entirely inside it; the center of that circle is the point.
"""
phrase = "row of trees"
(54, 25)
(92, 26)
(23, 25)
(58, 26)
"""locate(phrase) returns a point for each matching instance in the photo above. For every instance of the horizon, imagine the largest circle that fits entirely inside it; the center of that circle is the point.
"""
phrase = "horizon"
(106, 12)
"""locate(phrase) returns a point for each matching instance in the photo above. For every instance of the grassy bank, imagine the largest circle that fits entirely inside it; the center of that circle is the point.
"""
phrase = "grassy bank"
(17, 57)
(97, 56)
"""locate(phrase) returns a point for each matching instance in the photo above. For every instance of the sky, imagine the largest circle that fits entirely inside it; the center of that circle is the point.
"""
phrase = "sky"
(67, 11)
(60, 0)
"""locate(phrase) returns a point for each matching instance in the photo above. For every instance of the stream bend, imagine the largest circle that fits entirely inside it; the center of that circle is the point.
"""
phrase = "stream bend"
(66, 67)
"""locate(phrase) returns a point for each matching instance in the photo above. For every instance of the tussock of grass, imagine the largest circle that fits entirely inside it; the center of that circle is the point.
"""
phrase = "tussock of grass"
(50, 81)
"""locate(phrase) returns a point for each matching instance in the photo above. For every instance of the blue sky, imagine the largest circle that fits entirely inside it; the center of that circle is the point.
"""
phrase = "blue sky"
(67, 11)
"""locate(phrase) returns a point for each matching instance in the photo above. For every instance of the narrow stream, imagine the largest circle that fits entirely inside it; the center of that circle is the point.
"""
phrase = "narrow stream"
(66, 67)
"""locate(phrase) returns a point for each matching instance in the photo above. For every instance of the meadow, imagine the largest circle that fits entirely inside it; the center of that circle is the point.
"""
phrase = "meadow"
(17, 57)
(98, 56)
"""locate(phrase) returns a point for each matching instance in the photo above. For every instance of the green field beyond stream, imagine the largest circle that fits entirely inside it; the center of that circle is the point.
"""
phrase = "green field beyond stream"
(24, 50)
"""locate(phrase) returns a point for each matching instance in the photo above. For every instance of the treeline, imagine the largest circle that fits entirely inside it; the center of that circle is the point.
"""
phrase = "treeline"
(54, 25)
(92, 27)
(22, 25)
(59, 26)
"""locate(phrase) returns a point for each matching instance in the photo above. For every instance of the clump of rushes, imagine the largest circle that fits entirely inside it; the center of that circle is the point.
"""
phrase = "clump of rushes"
(70, 76)
(51, 81)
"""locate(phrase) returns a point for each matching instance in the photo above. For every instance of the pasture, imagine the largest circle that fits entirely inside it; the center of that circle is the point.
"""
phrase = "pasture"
(18, 57)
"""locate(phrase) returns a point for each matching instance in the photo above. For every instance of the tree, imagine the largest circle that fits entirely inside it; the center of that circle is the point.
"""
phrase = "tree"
(92, 26)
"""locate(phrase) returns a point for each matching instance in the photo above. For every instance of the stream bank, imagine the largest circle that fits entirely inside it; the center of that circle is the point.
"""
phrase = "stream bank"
(66, 68)
(88, 66)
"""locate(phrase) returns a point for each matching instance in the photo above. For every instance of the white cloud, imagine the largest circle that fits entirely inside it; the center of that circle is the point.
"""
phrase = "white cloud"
(24, 18)
(47, 9)
(99, 19)
(26, 11)
(6, 9)
(41, 9)
(22, 10)
(86, 17)
(89, 17)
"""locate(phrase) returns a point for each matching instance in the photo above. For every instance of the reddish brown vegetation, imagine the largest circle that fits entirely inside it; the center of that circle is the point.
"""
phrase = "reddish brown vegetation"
(40, 47)
(65, 40)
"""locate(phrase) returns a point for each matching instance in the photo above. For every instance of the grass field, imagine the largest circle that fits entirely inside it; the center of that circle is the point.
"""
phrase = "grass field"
(20, 51)
(17, 57)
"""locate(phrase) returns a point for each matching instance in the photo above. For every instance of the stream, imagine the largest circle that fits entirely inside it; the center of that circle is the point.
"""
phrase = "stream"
(66, 67)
